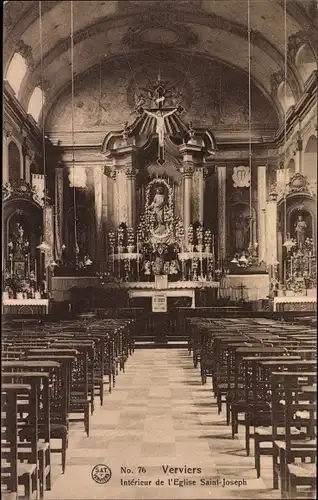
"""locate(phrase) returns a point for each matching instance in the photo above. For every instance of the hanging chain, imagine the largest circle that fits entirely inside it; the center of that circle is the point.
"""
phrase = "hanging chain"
(249, 114)
(72, 131)
(42, 104)
(285, 124)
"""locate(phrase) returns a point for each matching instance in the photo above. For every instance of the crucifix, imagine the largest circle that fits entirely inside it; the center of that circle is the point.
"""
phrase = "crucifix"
(160, 114)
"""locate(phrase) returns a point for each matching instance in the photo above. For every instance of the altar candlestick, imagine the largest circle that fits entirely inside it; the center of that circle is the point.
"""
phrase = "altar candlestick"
(201, 264)
(119, 262)
(291, 267)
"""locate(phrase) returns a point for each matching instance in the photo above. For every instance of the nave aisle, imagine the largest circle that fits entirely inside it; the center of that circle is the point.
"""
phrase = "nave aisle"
(159, 414)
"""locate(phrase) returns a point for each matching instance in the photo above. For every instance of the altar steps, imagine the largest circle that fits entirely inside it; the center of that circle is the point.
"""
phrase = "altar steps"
(152, 342)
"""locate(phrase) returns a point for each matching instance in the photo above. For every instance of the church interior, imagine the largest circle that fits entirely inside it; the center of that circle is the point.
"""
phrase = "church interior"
(159, 249)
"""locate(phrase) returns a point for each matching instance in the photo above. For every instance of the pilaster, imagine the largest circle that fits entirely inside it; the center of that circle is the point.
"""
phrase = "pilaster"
(221, 179)
(261, 197)
(271, 229)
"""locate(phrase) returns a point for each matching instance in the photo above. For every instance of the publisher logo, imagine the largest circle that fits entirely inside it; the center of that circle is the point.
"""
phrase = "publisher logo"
(101, 474)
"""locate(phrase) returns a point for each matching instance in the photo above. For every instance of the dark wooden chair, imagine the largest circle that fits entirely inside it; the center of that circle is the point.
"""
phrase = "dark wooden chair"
(13, 472)
(287, 449)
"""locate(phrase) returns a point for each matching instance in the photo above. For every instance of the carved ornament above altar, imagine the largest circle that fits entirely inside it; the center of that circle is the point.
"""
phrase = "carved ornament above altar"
(11, 191)
(298, 184)
(158, 108)
(241, 177)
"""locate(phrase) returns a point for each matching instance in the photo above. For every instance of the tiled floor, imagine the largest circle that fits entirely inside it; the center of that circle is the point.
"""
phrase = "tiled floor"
(159, 415)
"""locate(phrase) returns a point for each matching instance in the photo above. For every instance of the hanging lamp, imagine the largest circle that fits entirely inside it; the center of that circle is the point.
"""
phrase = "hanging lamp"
(76, 248)
(243, 261)
(43, 246)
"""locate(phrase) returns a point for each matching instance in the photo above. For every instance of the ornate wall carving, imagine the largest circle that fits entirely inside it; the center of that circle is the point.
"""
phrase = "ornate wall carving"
(213, 95)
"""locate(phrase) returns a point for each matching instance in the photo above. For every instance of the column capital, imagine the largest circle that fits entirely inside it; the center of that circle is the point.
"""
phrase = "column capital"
(187, 170)
(130, 172)
(273, 195)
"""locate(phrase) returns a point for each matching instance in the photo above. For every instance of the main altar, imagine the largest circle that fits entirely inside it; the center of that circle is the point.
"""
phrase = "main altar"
(158, 166)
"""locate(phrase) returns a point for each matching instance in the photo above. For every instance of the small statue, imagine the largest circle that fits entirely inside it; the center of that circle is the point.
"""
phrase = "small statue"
(300, 229)
(174, 267)
(147, 268)
(166, 268)
(158, 204)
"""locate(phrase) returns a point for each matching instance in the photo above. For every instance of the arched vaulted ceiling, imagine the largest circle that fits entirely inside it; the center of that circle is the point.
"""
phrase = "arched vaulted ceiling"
(215, 29)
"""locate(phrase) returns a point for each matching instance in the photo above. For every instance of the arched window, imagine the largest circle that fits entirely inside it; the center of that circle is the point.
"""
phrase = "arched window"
(16, 71)
(305, 61)
(285, 97)
(14, 162)
(35, 103)
(310, 158)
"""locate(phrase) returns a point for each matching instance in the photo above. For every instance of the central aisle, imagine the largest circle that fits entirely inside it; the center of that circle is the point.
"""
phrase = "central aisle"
(158, 415)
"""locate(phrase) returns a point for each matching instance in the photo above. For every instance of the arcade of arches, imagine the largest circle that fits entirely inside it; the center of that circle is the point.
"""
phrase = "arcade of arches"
(160, 157)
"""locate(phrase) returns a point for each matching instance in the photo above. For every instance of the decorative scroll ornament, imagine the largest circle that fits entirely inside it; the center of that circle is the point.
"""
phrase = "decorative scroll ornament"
(77, 177)
(241, 176)
(22, 189)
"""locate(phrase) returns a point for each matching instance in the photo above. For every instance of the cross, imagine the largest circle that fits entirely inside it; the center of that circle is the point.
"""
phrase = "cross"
(160, 114)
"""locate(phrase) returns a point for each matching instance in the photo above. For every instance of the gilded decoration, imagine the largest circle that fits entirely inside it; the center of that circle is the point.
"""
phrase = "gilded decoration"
(23, 189)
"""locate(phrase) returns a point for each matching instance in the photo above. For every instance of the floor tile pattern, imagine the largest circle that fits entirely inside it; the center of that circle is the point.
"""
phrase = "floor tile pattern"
(159, 415)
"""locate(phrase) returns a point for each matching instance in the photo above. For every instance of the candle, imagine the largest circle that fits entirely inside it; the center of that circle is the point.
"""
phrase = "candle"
(11, 265)
(35, 274)
(29, 269)
(113, 260)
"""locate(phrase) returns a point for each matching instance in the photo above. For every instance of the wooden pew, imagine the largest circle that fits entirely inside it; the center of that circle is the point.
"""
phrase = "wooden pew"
(39, 382)
(13, 472)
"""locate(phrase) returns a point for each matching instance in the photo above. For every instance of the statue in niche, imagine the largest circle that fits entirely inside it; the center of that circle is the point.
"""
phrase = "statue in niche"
(158, 204)
(241, 231)
(300, 230)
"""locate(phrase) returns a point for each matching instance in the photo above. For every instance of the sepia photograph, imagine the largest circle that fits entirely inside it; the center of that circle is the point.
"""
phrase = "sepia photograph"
(159, 256)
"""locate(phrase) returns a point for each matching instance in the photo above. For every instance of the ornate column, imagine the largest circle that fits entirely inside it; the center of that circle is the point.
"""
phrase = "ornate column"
(98, 203)
(221, 178)
(106, 222)
(271, 229)
(198, 194)
(261, 197)
(121, 183)
(188, 151)
(131, 199)
(58, 219)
